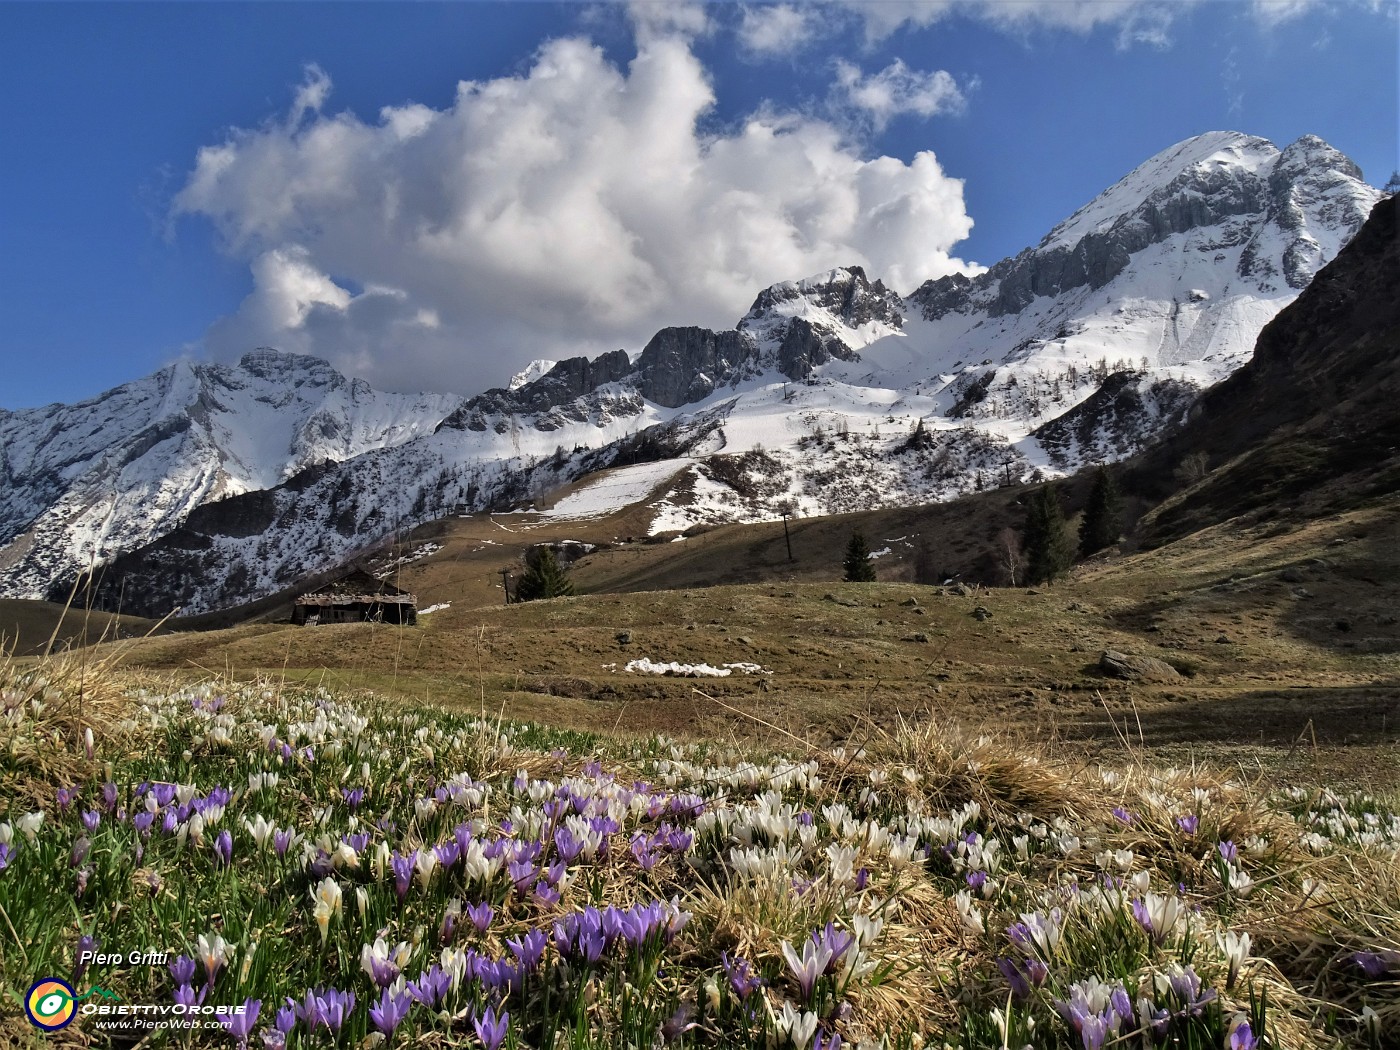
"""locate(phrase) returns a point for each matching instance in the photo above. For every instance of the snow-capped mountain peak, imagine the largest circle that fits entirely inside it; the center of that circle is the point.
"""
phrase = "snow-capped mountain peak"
(1204, 165)
(841, 394)
(534, 370)
(106, 474)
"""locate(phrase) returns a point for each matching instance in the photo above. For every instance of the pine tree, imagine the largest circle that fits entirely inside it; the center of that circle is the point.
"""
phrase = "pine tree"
(1049, 550)
(543, 578)
(1103, 518)
(857, 564)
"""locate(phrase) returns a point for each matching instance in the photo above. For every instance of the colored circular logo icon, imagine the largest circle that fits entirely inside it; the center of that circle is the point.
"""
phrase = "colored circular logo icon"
(50, 1004)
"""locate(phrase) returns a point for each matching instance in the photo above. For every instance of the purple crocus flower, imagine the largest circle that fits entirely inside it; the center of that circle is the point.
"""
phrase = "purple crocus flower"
(1228, 851)
(286, 1018)
(353, 797)
(1020, 986)
(491, 1029)
(86, 943)
(522, 873)
(837, 942)
(182, 969)
(1242, 1038)
(391, 1011)
(357, 842)
(1187, 987)
(1373, 964)
(1188, 823)
(282, 841)
(223, 847)
(185, 996)
(109, 796)
(1122, 1005)
(480, 915)
(1123, 815)
(64, 797)
(326, 1006)
(528, 949)
(240, 1026)
(741, 976)
(678, 1023)
(825, 1040)
(91, 818)
(403, 872)
(431, 987)
(1093, 1031)
(81, 848)
(143, 820)
(567, 844)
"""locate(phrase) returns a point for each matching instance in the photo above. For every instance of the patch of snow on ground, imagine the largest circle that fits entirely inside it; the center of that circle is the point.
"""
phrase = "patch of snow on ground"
(680, 670)
(615, 489)
(879, 554)
(434, 608)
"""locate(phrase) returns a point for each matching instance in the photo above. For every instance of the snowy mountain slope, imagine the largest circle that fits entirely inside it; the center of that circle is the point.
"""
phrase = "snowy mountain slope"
(834, 393)
(87, 480)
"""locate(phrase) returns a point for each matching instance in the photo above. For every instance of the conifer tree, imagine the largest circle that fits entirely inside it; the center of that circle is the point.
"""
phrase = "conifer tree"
(1103, 517)
(543, 578)
(857, 562)
(1049, 550)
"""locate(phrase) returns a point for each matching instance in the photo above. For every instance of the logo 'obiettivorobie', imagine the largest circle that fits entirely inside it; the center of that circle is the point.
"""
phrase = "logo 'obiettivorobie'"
(51, 1004)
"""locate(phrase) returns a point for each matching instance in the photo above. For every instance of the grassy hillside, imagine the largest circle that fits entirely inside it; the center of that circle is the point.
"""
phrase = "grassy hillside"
(27, 627)
(1283, 635)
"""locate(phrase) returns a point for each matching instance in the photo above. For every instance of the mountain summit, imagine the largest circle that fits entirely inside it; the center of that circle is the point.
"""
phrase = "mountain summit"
(1081, 349)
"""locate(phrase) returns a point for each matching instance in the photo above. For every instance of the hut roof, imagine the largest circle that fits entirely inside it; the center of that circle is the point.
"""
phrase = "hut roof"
(356, 586)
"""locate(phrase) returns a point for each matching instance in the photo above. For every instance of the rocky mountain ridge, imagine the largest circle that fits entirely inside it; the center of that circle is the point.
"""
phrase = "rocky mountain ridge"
(1082, 349)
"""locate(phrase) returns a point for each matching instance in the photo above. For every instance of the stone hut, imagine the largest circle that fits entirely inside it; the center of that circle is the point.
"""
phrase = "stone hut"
(356, 597)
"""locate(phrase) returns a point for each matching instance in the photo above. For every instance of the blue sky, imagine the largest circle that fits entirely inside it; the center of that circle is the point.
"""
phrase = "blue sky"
(614, 168)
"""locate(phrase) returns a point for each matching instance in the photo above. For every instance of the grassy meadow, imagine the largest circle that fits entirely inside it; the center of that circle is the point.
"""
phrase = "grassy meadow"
(787, 813)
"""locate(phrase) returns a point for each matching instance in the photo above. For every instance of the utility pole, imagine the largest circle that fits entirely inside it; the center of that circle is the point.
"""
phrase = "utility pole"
(787, 538)
(505, 584)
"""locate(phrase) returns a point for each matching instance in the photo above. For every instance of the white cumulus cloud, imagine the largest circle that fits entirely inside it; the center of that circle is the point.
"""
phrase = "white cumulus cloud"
(778, 29)
(1138, 21)
(575, 208)
(897, 89)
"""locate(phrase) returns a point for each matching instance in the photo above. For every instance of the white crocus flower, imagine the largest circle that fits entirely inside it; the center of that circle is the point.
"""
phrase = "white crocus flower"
(28, 825)
(260, 828)
(971, 916)
(212, 951)
(247, 961)
(345, 857)
(843, 859)
(1240, 882)
(798, 1025)
(1235, 947)
(426, 863)
(866, 928)
(327, 900)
